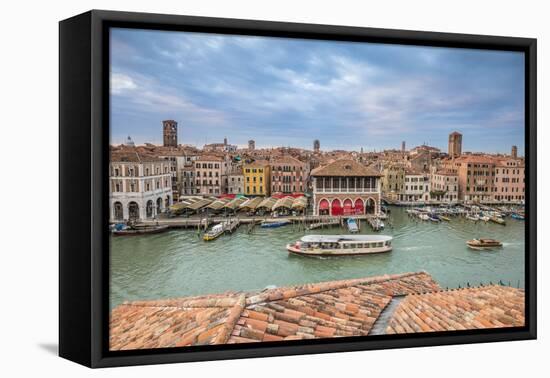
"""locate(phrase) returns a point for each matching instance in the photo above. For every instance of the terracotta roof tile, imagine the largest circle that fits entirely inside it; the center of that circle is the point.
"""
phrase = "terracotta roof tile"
(482, 307)
(326, 309)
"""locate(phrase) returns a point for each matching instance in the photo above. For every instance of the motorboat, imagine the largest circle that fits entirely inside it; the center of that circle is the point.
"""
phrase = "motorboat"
(274, 224)
(141, 229)
(483, 243)
(352, 225)
(216, 231)
(340, 245)
(518, 216)
(498, 220)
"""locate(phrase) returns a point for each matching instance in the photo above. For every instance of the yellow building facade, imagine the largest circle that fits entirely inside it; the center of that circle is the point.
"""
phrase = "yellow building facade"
(257, 179)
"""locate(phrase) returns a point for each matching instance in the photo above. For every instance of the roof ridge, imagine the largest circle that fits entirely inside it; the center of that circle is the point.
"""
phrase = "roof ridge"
(315, 288)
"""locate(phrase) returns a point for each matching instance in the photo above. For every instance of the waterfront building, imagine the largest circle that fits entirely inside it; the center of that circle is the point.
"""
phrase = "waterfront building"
(210, 175)
(187, 180)
(235, 181)
(345, 187)
(393, 180)
(251, 145)
(257, 178)
(444, 186)
(509, 181)
(170, 133)
(288, 175)
(455, 144)
(476, 177)
(139, 185)
(417, 187)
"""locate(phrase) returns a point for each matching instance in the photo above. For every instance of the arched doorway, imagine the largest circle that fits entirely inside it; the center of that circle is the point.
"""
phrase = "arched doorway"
(149, 209)
(118, 211)
(336, 207)
(359, 208)
(324, 207)
(159, 205)
(133, 211)
(348, 207)
(370, 206)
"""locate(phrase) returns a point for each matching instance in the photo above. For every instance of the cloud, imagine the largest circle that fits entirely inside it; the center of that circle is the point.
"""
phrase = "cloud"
(295, 89)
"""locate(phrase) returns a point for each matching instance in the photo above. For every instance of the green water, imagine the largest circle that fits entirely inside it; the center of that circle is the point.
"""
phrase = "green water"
(177, 263)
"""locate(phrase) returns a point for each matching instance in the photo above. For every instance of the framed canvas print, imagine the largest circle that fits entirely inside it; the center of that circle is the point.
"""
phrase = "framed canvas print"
(234, 188)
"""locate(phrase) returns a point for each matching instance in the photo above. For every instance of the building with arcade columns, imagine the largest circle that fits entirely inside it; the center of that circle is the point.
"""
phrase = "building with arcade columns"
(346, 187)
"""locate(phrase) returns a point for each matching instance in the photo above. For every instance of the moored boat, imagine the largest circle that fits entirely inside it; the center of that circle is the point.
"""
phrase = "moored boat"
(483, 243)
(444, 218)
(273, 224)
(518, 216)
(135, 230)
(340, 245)
(352, 225)
(474, 218)
(498, 220)
(214, 232)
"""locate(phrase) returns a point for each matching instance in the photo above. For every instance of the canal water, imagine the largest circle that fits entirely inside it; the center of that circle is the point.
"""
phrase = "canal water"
(178, 263)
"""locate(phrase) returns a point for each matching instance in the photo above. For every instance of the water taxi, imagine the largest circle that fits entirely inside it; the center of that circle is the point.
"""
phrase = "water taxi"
(214, 232)
(483, 243)
(340, 245)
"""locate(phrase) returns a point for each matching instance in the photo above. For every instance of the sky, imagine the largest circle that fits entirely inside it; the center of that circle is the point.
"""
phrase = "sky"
(288, 92)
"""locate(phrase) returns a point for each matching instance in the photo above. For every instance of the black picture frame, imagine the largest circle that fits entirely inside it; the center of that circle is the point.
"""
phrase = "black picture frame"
(83, 196)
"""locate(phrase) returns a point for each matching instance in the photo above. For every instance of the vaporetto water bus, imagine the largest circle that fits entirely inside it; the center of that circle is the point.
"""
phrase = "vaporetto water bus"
(340, 245)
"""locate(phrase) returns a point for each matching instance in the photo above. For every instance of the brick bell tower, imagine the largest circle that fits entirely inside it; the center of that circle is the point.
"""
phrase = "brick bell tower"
(170, 133)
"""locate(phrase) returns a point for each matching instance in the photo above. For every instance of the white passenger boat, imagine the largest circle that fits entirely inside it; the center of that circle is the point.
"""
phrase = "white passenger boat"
(340, 245)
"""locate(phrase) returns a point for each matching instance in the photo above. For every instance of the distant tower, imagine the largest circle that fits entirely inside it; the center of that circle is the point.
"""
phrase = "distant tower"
(316, 145)
(403, 146)
(455, 144)
(225, 141)
(251, 144)
(514, 152)
(129, 142)
(170, 133)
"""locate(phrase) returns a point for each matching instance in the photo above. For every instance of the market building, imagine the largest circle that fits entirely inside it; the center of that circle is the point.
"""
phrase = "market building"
(345, 187)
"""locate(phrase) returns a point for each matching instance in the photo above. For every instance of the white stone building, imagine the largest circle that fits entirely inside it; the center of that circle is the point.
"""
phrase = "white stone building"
(417, 187)
(140, 185)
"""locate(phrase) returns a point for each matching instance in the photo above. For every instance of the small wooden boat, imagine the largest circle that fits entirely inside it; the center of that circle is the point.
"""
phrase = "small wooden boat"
(483, 243)
(135, 230)
(273, 224)
(444, 218)
(498, 220)
(340, 245)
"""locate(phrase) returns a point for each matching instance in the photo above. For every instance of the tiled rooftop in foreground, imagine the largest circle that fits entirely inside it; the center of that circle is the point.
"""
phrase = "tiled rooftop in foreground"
(326, 309)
